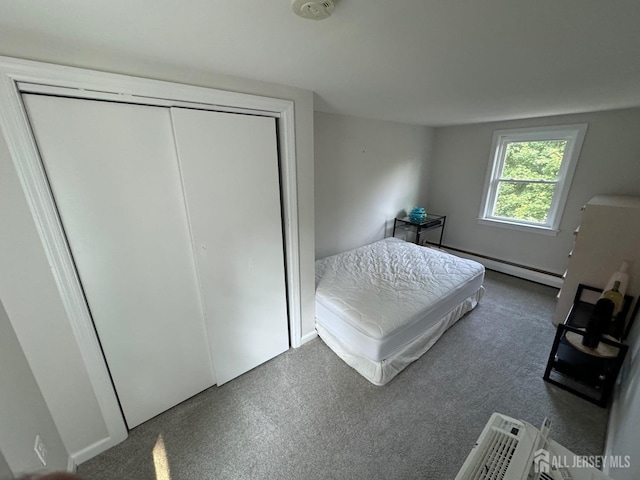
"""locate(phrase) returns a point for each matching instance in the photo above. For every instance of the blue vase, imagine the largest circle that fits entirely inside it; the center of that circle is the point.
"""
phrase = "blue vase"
(418, 215)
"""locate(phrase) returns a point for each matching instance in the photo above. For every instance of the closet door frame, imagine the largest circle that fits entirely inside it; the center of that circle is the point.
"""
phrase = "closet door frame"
(22, 76)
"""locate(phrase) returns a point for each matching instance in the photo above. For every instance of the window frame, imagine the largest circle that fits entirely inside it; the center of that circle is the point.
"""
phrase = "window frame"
(574, 136)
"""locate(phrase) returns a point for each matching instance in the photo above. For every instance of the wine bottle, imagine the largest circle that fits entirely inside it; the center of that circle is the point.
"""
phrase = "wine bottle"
(598, 321)
(615, 296)
(622, 275)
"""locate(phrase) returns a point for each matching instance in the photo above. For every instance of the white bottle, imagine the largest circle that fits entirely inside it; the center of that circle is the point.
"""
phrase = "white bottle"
(620, 276)
(615, 296)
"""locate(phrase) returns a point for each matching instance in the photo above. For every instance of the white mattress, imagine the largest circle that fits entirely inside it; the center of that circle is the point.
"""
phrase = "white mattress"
(383, 371)
(379, 298)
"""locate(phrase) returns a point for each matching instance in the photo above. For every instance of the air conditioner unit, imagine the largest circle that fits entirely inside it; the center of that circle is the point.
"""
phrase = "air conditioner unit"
(510, 449)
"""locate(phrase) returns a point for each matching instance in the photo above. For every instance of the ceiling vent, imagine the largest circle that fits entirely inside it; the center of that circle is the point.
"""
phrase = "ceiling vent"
(313, 10)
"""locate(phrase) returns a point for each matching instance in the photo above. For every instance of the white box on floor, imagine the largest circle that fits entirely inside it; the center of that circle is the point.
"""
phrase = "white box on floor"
(515, 450)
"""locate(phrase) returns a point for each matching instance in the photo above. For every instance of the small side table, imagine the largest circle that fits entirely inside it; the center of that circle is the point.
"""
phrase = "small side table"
(431, 222)
(586, 372)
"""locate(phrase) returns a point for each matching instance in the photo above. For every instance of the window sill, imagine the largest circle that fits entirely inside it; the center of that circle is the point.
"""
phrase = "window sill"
(523, 227)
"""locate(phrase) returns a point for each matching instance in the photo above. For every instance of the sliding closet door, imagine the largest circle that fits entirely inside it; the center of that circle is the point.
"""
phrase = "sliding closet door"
(229, 167)
(115, 178)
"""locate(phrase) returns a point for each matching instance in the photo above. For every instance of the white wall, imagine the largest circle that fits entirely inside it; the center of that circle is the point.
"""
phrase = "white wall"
(27, 285)
(5, 471)
(624, 418)
(609, 164)
(24, 411)
(366, 172)
(33, 304)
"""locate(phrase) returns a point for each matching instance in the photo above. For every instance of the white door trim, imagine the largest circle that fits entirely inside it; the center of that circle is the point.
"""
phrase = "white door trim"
(16, 73)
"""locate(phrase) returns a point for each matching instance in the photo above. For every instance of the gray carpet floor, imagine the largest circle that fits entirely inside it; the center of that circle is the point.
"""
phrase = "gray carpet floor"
(307, 415)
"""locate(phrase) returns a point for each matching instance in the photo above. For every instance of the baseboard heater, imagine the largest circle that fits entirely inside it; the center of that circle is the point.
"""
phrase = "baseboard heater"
(510, 268)
(510, 449)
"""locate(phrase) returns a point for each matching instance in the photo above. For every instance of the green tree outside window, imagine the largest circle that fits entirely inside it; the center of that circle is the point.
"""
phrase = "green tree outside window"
(528, 180)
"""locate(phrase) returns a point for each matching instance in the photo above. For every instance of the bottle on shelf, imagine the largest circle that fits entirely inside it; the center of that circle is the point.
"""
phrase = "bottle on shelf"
(615, 296)
(598, 322)
(617, 287)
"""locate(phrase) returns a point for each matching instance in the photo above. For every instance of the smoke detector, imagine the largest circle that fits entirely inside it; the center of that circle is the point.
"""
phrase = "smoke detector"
(313, 10)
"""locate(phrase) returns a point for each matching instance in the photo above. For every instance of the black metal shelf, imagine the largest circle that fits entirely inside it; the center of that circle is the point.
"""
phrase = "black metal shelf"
(588, 373)
(429, 223)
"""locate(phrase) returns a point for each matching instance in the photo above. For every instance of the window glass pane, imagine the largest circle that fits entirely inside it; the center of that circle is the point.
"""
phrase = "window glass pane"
(533, 160)
(524, 201)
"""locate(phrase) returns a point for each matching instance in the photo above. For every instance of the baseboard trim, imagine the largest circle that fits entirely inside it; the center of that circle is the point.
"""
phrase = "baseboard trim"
(92, 450)
(308, 337)
(510, 268)
(71, 466)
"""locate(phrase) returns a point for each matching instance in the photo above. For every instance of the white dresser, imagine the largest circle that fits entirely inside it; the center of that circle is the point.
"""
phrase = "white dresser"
(609, 233)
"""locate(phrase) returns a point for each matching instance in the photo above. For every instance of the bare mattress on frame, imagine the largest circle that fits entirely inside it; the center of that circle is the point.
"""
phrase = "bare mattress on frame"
(381, 306)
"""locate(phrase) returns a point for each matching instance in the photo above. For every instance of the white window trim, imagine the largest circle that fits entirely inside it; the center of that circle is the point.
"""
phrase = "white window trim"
(573, 134)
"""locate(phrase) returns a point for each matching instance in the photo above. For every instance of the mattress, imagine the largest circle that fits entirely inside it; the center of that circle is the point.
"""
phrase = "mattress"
(378, 299)
(381, 372)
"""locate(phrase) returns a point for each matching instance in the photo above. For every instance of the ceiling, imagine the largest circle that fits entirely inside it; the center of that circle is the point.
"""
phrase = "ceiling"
(428, 62)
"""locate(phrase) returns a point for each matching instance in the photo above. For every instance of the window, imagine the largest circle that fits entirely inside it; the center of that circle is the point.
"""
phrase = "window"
(529, 175)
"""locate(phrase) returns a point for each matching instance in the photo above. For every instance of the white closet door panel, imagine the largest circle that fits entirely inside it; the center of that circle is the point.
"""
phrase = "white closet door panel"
(115, 178)
(229, 165)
